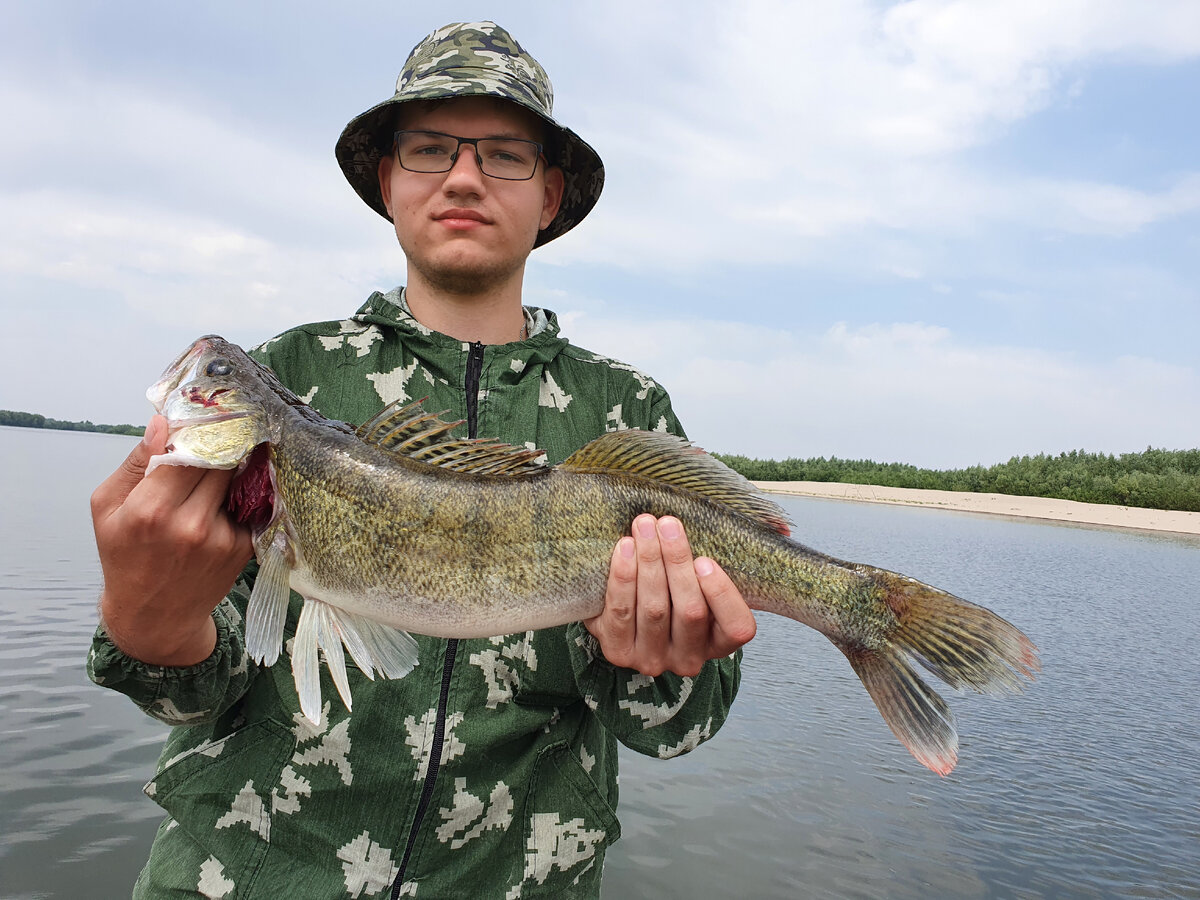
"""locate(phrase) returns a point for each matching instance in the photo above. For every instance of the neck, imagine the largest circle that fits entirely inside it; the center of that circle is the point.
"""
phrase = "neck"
(489, 317)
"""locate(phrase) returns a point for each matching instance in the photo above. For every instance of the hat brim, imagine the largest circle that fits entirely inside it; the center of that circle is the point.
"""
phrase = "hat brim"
(368, 138)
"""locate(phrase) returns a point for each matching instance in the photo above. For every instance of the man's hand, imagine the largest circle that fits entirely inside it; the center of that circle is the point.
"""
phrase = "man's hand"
(169, 553)
(664, 611)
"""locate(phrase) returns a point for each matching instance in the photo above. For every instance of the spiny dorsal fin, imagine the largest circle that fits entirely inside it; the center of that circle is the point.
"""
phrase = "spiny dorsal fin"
(671, 460)
(408, 430)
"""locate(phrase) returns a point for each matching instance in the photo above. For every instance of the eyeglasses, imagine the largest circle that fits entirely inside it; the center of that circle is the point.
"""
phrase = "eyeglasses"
(511, 159)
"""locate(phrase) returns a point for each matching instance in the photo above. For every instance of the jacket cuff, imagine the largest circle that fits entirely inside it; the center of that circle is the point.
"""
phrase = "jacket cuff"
(663, 716)
(176, 695)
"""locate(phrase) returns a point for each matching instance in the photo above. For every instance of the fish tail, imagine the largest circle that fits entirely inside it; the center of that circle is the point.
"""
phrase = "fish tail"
(965, 645)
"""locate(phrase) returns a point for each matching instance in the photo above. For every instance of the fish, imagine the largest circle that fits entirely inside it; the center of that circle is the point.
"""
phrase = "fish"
(398, 526)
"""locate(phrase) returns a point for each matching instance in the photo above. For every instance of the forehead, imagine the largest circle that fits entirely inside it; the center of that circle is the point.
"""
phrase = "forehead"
(471, 117)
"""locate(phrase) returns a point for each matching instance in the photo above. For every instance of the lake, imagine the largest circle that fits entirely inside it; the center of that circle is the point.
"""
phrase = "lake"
(1086, 786)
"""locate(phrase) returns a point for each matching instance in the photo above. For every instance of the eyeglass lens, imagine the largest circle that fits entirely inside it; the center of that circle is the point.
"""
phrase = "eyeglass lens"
(512, 159)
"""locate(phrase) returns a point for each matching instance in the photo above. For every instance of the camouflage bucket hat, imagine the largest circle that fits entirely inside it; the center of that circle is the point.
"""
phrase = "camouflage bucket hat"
(464, 60)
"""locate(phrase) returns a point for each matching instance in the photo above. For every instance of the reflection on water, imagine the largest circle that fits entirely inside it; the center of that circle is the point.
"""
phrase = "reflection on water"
(1088, 785)
(72, 760)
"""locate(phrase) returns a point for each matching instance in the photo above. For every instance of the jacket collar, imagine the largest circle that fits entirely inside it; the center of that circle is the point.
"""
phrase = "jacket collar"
(390, 310)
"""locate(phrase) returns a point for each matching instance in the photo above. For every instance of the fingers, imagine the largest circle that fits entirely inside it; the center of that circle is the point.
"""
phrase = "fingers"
(653, 598)
(663, 611)
(155, 437)
(690, 624)
(204, 518)
(168, 551)
(113, 490)
(616, 626)
(733, 623)
(184, 504)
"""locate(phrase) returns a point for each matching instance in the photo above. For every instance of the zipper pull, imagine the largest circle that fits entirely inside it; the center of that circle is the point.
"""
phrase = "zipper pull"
(474, 371)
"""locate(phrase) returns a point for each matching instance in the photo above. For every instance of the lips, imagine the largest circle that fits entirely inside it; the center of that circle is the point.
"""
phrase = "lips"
(457, 214)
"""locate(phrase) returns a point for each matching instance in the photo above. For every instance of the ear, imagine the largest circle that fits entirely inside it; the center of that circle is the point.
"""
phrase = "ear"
(552, 198)
(385, 182)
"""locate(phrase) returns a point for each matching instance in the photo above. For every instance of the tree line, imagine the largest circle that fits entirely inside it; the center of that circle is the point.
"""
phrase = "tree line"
(1154, 479)
(36, 420)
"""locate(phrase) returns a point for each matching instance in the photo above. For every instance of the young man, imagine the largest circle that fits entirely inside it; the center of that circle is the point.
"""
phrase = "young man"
(490, 770)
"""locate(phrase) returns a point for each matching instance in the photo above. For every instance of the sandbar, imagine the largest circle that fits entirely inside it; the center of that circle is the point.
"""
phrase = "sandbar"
(1098, 514)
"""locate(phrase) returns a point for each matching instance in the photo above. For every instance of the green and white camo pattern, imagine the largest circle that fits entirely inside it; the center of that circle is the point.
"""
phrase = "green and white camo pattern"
(261, 803)
(473, 59)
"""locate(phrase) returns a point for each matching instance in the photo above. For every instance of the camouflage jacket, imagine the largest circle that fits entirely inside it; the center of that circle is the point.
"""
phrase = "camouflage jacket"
(488, 771)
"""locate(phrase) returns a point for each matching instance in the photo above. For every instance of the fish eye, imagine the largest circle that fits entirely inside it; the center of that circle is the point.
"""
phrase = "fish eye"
(219, 366)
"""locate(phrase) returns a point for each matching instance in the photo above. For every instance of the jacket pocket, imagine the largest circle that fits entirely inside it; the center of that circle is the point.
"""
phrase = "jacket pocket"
(219, 792)
(567, 827)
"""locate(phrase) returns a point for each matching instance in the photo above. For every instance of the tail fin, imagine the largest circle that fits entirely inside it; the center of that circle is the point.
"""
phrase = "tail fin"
(963, 644)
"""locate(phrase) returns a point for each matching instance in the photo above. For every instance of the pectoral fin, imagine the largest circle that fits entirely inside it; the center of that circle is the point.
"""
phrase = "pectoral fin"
(268, 604)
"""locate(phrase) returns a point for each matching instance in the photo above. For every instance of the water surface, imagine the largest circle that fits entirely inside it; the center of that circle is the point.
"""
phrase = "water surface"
(1086, 786)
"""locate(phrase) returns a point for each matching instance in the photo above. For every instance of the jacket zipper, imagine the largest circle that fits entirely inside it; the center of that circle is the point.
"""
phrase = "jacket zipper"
(474, 371)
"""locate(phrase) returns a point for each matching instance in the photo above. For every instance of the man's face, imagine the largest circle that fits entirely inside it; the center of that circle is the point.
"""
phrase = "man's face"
(463, 231)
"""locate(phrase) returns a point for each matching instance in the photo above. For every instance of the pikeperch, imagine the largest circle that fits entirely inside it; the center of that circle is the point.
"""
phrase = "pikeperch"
(399, 526)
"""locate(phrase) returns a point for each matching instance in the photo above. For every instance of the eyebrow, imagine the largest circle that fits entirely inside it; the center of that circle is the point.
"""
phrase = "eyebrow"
(495, 135)
(511, 135)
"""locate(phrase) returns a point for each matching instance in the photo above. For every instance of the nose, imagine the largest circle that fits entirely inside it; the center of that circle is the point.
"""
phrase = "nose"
(466, 170)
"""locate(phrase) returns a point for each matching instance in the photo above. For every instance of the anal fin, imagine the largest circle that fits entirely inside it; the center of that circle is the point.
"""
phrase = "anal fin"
(372, 646)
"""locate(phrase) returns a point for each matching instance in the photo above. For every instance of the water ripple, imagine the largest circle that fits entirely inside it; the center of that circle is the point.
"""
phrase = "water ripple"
(1087, 786)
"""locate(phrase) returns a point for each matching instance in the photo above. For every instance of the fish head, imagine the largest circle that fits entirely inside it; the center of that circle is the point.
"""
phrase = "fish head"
(212, 399)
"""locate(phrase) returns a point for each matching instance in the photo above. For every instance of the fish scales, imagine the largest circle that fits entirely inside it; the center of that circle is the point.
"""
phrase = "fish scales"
(401, 526)
(533, 551)
(466, 553)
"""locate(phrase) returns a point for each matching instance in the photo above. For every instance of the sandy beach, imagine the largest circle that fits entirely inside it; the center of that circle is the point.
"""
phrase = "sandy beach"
(999, 504)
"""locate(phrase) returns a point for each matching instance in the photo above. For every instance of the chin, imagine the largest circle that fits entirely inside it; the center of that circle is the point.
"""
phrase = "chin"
(468, 275)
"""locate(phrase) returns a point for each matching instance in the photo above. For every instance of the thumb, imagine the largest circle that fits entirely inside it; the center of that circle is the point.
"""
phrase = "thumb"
(113, 490)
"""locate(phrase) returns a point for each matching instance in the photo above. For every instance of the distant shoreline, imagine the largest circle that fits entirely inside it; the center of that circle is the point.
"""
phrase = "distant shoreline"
(1101, 514)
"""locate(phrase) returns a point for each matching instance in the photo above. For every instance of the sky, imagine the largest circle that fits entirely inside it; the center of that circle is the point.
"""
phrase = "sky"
(936, 232)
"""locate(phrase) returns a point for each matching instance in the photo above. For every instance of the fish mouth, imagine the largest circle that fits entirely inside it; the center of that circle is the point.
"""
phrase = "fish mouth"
(213, 439)
(185, 368)
(213, 418)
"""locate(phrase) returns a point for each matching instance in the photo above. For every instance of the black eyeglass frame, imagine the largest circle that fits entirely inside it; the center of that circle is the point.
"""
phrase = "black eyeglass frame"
(474, 142)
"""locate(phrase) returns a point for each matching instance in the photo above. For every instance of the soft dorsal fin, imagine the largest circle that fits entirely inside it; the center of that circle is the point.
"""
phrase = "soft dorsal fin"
(406, 429)
(670, 460)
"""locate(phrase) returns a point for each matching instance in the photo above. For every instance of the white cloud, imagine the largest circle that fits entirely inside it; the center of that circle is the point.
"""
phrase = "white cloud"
(1088, 208)
(179, 268)
(779, 132)
(779, 139)
(899, 392)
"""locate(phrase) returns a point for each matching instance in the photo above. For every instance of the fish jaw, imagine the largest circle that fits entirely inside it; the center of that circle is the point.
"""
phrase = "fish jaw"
(212, 404)
(181, 370)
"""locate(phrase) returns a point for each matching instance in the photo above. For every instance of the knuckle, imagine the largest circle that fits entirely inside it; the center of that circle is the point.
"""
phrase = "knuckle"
(694, 614)
(656, 613)
(621, 613)
(677, 556)
(151, 517)
(618, 655)
(98, 502)
(133, 465)
(677, 551)
(651, 668)
(621, 658)
(194, 534)
(742, 632)
(623, 576)
(649, 552)
(227, 541)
